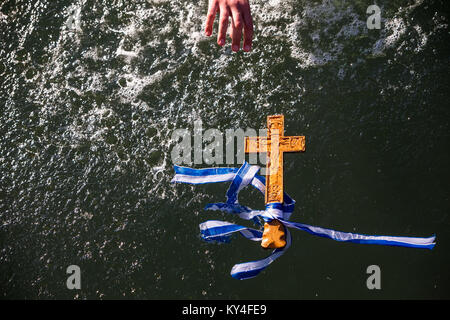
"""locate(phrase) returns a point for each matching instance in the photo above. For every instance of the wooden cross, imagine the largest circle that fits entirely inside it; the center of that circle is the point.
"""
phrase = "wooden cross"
(274, 145)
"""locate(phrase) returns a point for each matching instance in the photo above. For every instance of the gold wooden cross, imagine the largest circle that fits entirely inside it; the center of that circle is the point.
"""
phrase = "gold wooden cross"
(274, 145)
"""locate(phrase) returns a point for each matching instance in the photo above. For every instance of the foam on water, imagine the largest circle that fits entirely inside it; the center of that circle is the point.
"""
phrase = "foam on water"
(311, 47)
(92, 91)
(311, 44)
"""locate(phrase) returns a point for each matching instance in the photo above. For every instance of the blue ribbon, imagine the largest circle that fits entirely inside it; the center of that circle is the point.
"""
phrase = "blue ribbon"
(221, 231)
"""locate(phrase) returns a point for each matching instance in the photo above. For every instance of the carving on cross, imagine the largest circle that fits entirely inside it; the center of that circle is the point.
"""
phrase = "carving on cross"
(274, 145)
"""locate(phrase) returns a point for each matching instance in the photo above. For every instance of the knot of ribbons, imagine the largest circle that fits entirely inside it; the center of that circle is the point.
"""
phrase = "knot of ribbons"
(221, 231)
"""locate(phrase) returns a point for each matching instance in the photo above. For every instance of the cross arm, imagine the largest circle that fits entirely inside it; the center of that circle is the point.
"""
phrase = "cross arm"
(256, 144)
(292, 144)
(287, 144)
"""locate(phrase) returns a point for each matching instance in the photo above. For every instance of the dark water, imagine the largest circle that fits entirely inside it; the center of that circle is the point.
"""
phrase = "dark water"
(91, 92)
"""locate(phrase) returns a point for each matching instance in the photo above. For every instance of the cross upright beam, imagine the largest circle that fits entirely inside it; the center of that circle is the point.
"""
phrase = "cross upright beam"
(274, 145)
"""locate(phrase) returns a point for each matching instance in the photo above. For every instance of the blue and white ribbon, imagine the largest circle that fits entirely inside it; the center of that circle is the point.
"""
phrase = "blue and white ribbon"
(221, 231)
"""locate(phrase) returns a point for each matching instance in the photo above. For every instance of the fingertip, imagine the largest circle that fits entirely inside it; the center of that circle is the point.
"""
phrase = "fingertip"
(235, 47)
(247, 48)
(221, 42)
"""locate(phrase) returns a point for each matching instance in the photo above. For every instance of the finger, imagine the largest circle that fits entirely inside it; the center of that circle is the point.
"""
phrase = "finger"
(237, 24)
(230, 27)
(213, 8)
(223, 23)
(248, 28)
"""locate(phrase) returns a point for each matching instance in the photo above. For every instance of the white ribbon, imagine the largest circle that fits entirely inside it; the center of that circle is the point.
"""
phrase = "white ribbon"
(221, 231)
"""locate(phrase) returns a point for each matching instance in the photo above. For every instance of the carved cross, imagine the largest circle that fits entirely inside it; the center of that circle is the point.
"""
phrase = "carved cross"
(274, 145)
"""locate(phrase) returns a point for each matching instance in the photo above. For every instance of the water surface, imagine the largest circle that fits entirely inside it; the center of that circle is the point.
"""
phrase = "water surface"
(91, 92)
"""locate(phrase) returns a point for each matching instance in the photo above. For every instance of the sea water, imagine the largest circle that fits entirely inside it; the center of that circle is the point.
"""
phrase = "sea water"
(91, 92)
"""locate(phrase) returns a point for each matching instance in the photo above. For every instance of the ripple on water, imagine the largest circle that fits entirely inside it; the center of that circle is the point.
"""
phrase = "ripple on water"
(94, 91)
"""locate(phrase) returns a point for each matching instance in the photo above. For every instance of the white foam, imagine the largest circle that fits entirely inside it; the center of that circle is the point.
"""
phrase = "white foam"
(135, 84)
(394, 28)
(314, 15)
(3, 17)
(316, 36)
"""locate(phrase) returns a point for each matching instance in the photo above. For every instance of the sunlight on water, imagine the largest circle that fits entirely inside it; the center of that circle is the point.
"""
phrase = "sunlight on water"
(92, 91)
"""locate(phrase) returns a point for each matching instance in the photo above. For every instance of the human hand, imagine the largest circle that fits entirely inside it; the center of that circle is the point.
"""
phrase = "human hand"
(241, 21)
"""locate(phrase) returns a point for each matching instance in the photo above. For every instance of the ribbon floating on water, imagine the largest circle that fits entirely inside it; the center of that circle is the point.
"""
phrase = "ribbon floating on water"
(221, 231)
